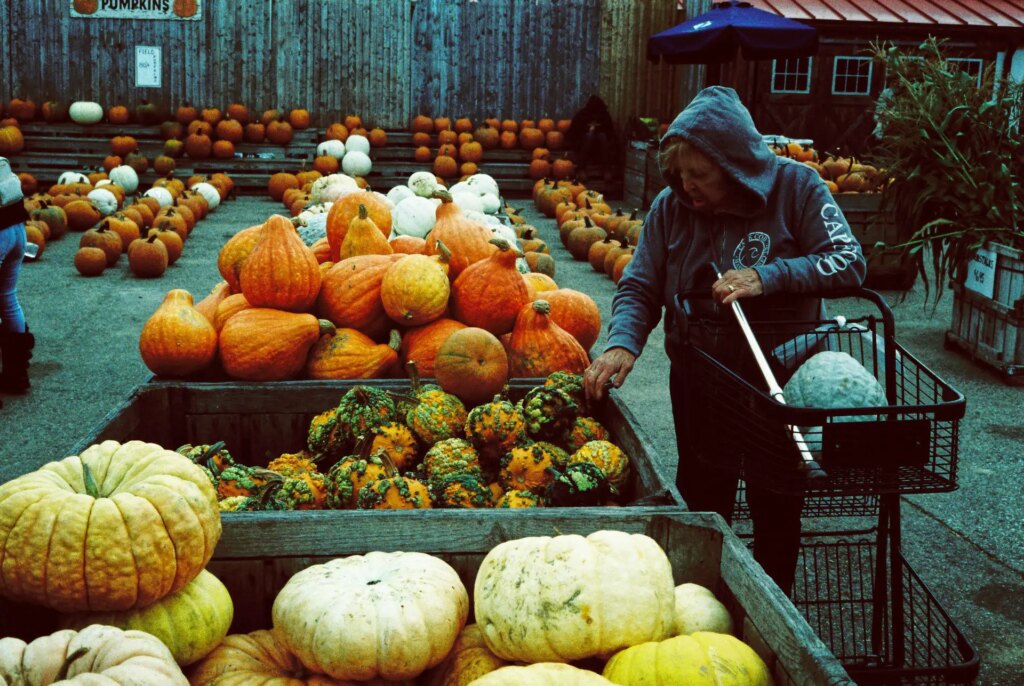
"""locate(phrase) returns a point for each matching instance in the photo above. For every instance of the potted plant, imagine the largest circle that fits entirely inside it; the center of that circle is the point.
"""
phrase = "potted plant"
(952, 152)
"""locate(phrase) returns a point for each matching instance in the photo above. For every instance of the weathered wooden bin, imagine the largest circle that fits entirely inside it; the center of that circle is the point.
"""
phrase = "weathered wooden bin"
(990, 332)
(642, 179)
(259, 421)
(888, 268)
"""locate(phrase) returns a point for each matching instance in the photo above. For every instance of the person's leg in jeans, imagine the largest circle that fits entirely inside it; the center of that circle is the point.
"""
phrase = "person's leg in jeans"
(703, 488)
(776, 519)
(12, 250)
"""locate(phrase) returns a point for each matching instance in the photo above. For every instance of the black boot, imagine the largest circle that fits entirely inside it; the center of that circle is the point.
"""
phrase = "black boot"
(17, 351)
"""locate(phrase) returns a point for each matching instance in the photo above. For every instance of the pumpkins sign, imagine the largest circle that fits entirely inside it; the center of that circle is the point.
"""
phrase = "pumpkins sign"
(190, 10)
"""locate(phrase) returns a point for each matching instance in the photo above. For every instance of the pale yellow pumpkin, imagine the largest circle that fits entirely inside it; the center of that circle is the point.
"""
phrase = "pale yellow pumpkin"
(700, 658)
(415, 290)
(620, 586)
(697, 609)
(191, 622)
(468, 660)
(541, 674)
(388, 615)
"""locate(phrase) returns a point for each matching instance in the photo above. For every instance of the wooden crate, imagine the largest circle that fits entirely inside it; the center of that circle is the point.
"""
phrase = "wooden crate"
(255, 558)
(989, 332)
(634, 191)
(888, 269)
(263, 420)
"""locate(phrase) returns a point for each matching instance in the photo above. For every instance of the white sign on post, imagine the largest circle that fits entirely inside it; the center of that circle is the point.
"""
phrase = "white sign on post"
(147, 66)
(981, 273)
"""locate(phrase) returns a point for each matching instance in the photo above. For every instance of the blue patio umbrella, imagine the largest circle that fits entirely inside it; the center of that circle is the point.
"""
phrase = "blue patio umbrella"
(715, 36)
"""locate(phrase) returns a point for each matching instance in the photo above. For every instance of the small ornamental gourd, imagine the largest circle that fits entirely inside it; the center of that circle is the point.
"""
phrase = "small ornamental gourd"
(397, 442)
(703, 657)
(342, 618)
(583, 431)
(495, 428)
(461, 491)
(395, 493)
(306, 491)
(437, 415)
(243, 480)
(489, 294)
(214, 457)
(609, 457)
(519, 499)
(539, 346)
(362, 409)
(281, 272)
(324, 436)
(450, 456)
(619, 588)
(293, 464)
(549, 412)
(348, 354)
(348, 476)
(526, 468)
(262, 344)
(177, 340)
(581, 484)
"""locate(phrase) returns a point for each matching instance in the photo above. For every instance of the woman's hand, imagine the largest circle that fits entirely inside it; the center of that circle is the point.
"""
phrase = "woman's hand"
(612, 366)
(735, 284)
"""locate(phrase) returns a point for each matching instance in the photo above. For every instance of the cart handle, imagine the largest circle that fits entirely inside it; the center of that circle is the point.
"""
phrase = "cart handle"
(810, 467)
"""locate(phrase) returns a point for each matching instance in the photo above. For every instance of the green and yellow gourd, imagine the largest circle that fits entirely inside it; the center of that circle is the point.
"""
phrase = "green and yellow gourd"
(583, 431)
(324, 437)
(527, 468)
(394, 493)
(495, 428)
(437, 415)
(362, 409)
(609, 457)
(549, 412)
(582, 484)
(572, 384)
(451, 456)
(461, 491)
(350, 474)
(519, 499)
(301, 491)
(398, 443)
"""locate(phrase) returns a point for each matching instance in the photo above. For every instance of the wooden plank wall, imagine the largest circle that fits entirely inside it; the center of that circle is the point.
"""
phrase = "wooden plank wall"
(386, 61)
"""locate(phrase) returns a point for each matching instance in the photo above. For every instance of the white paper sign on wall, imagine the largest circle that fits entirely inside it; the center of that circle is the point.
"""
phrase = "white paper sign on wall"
(147, 66)
(981, 273)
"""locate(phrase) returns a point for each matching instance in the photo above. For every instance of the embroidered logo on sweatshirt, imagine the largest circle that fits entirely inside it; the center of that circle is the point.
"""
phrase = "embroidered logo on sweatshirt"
(752, 251)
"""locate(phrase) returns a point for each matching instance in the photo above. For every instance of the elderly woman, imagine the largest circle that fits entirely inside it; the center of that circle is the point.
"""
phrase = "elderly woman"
(772, 226)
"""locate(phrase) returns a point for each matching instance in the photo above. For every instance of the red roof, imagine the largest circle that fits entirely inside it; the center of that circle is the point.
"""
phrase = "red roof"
(1006, 14)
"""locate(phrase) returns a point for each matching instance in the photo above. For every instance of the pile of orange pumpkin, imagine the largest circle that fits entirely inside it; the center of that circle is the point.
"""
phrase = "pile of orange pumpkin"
(842, 174)
(209, 132)
(358, 306)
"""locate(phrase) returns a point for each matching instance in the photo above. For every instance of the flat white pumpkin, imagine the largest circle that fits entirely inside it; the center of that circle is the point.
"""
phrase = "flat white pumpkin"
(389, 615)
(209, 193)
(332, 188)
(85, 112)
(332, 147)
(356, 162)
(423, 184)
(72, 177)
(357, 143)
(125, 177)
(162, 195)
(484, 184)
(565, 598)
(414, 216)
(103, 200)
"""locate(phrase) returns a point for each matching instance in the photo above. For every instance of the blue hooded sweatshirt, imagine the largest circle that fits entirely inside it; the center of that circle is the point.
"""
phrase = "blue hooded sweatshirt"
(783, 223)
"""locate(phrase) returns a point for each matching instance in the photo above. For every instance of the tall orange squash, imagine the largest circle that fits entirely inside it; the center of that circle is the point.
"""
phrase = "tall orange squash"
(234, 253)
(263, 344)
(346, 209)
(177, 341)
(468, 241)
(281, 271)
(363, 238)
(539, 347)
(350, 294)
(490, 293)
(349, 354)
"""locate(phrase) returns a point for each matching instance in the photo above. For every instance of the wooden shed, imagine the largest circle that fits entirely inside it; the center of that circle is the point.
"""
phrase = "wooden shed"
(830, 98)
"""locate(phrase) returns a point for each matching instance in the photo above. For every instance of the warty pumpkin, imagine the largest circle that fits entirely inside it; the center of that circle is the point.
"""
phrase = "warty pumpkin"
(348, 354)
(177, 340)
(97, 654)
(472, 365)
(468, 241)
(539, 346)
(612, 460)
(621, 582)
(263, 344)
(118, 527)
(350, 294)
(420, 345)
(495, 428)
(363, 237)
(415, 290)
(281, 271)
(490, 293)
(395, 493)
(338, 618)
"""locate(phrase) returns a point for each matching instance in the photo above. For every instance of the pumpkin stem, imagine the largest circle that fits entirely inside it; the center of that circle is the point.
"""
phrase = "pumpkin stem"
(362, 211)
(586, 221)
(541, 307)
(443, 253)
(91, 489)
(502, 244)
(395, 340)
(63, 673)
(327, 327)
(444, 196)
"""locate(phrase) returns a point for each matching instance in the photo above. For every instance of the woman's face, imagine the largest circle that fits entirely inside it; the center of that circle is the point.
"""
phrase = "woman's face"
(703, 180)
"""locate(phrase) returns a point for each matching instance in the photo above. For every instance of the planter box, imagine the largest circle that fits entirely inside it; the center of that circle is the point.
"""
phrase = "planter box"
(260, 419)
(888, 269)
(642, 178)
(989, 331)
(256, 560)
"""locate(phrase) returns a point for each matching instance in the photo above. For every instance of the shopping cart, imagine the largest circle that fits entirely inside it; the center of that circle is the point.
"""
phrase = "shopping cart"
(853, 585)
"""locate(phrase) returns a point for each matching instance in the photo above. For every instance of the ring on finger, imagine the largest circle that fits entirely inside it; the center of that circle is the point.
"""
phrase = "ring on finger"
(732, 289)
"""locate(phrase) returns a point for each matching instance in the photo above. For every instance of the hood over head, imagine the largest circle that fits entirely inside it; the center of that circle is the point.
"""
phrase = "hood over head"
(718, 124)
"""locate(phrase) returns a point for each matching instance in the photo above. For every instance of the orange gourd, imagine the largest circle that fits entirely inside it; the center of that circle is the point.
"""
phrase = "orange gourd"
(415, 290)
(263, 344)
(468, 241)
(281, 271)
(346, 209)
(408, 245)
(472, 364)
(363, 238)
(577, 313)
(208, 305)
(490, 293)
(539, 347)
(349, 354)
(234, 254)
(350, 294)
(228, 307)
(420, 345)
(177, 340)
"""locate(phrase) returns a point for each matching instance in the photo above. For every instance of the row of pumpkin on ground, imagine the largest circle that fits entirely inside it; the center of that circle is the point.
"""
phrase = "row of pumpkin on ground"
(184, 612)
(151, 229)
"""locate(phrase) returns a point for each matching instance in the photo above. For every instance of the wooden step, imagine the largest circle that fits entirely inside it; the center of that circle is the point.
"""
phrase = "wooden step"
(107, 131)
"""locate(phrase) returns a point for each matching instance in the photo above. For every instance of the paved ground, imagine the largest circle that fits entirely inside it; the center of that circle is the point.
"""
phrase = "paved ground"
(966, 545)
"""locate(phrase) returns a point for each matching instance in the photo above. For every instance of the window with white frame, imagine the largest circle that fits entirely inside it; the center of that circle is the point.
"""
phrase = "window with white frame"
(851, 75)
(969, 65)
(792, 75)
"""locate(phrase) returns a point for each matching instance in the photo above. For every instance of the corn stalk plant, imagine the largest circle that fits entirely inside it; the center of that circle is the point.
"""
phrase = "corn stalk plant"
(952, 153)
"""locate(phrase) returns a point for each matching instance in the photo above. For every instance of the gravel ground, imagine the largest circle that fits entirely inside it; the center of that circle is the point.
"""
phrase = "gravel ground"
(965, 545)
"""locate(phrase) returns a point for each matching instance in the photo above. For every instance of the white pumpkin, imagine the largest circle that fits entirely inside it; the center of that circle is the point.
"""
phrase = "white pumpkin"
(507, 234)
(484, 184)
(423, 184)
(541, 674)
(103, 200)
(697, 609)
(332, 188)
(384, 199)
(388, 615)
(400, 193)
(356, 163)
(162, 195)
(72, 177)
(468, 201)
(125, 177)
(209, 193)
(85, 112)
(565, 598)
(357, 143)
(491, 203)
(414, 216)
(332, 147)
